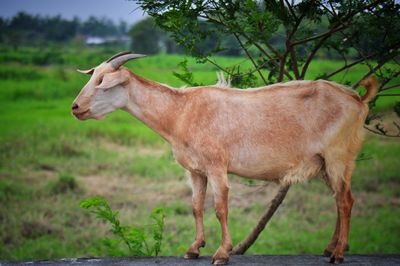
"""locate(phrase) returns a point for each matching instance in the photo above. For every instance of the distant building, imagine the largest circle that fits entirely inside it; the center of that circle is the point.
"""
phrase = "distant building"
(97, 40)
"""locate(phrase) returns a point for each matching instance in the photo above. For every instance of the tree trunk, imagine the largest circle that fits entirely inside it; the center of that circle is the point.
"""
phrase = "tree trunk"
(244, 245)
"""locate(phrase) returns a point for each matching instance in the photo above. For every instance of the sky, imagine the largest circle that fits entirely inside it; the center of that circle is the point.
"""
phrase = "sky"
(114, 9)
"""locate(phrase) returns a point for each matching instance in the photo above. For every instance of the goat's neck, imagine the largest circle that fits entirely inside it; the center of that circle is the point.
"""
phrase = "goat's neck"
(154, 104)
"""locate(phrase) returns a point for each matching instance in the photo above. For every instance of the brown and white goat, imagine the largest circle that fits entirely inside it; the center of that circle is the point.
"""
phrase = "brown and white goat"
(286, 132)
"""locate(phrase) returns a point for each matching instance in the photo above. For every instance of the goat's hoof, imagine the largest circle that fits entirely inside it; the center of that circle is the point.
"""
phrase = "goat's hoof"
(222, 261)
(327, 253)
(339, 260)
(191, 255)
(336, 260)
(221, 256)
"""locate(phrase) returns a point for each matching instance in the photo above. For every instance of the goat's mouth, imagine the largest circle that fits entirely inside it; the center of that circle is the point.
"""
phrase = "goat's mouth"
(82, 115)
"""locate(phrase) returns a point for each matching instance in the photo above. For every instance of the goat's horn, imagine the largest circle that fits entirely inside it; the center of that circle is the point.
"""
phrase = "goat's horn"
(117, 55)
(121, 58)
(88, 72)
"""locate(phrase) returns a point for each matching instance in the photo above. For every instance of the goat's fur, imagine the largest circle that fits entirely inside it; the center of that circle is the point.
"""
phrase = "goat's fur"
(286, 132)
(222, 81)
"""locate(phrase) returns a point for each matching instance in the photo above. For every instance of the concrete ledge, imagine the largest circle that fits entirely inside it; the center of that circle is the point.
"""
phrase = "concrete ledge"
(235, 260)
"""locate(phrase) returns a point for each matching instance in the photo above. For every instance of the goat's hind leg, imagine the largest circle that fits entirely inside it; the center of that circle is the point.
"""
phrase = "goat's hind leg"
(219, 184)
(332, 245)
(344, 203)
(199, 186)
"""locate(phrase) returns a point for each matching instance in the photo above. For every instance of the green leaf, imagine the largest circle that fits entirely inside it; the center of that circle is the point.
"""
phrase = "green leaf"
(135, 237)
(93, 202)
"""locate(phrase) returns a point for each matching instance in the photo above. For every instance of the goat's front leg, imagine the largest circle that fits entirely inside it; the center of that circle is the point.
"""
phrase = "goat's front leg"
(199, 186)
(219, 184)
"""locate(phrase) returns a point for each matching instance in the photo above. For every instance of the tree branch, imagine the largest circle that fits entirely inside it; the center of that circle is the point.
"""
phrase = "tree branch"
(390, 87)
(389, 94)
(291, 10)
(250, 57)
(341, 22)
(383, 88)
(266, 53)
(290, 47)
(294, 62)
(256, 69)
(217, 66)
(270, 47)
(258, 46)
(322, 35)
(377, 67)
(311, 56)
(282, 63)
(383, 133)
(285, 72)
(349, 65)
(242, 247)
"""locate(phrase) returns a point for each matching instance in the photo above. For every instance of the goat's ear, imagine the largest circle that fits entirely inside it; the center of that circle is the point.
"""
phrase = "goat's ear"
(88, 72)
(111, 80)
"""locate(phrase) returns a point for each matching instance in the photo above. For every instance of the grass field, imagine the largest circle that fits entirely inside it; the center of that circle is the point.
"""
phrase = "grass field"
(121, 159)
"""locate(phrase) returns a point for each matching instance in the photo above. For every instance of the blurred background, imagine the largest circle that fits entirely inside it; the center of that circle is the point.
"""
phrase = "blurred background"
(50, 161)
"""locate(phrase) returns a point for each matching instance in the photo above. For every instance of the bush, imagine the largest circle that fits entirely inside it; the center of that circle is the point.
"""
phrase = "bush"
(19, 73)
(33, 56)
(140, 240)
(47, 58)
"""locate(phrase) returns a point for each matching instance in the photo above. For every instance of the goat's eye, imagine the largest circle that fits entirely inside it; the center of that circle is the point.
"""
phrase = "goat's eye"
(100, 80)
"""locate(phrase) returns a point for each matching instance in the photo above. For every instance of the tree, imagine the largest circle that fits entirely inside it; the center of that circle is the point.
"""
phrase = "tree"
(146, 37)
(26, 29)
(98, 27)
(58, 29)
(122, 28)
(3, 27)
(281, 38)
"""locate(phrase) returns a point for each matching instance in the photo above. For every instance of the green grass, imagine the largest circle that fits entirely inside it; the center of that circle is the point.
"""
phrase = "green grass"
(50, 161)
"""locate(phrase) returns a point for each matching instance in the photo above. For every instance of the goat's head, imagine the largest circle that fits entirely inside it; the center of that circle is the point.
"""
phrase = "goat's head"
(106, 90)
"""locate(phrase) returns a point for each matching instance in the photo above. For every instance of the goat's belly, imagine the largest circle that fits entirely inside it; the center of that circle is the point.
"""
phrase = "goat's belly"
(270, 174)
(260, 169)
(284, 171)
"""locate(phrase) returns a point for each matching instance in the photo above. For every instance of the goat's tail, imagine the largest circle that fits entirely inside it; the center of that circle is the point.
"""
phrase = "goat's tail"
(371, 84)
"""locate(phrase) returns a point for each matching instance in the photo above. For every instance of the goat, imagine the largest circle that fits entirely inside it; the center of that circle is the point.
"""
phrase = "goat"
(286, 132)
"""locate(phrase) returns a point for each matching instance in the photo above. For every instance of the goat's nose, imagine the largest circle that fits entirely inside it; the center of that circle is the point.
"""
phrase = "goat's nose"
(75, 106)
